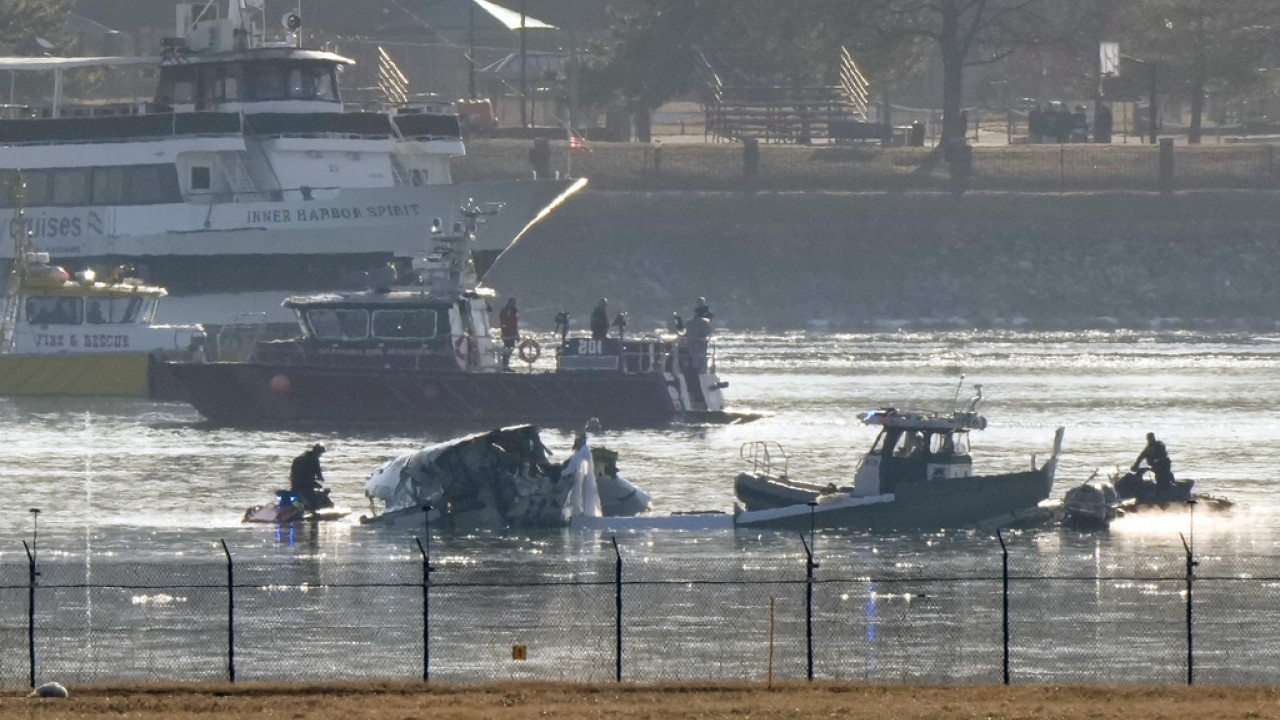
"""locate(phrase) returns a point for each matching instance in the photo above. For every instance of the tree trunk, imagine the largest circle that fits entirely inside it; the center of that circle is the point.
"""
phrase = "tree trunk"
(1198, 80)
(643, 122)
(954, 125)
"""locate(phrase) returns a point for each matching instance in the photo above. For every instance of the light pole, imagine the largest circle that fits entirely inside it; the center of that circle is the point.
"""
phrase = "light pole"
(35, 527)
(524, 54)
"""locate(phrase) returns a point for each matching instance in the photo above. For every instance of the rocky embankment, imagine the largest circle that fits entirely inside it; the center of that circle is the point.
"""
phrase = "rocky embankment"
(858, 261)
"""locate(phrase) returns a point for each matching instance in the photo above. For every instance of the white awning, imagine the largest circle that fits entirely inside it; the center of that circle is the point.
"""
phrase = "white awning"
(511, 18)
(66, 63)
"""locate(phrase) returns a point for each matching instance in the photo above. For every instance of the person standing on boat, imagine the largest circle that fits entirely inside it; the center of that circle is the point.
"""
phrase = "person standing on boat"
(700, 310)
(305, 478)
(600, 320)
(1157, 457)
(562, 327)
(698, 333)
(509, 324)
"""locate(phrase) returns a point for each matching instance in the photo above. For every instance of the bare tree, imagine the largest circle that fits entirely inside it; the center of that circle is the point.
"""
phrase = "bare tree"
(965, 32)
(1207, 45)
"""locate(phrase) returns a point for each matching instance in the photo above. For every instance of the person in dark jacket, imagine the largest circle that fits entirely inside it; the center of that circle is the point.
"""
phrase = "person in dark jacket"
(1157, 457)
(305, 478)
(600, 320)
(509, 324)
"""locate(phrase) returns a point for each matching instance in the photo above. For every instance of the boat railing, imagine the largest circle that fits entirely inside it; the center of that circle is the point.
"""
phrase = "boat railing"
(628, 356)
(117, 128)
(765, 457)
(238, 340)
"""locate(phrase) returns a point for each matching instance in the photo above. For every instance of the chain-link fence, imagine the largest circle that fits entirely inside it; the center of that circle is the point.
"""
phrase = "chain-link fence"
(620, 611)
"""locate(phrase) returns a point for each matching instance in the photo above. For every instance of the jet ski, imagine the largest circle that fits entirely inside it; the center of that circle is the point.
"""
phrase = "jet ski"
(289, 508)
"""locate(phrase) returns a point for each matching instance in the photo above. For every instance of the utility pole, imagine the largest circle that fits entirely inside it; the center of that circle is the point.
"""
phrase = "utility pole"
(524, 57)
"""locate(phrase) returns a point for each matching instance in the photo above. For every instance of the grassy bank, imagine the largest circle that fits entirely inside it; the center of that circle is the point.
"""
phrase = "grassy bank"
(380, 701)
(1025, 168)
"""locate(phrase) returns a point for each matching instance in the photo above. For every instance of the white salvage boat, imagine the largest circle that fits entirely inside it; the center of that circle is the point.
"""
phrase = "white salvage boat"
(918, 474)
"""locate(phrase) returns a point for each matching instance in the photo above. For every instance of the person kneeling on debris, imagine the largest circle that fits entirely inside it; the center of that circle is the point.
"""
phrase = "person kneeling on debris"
(305, 478)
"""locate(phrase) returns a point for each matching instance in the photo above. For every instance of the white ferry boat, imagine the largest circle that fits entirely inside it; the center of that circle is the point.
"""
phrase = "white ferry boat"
(245, 172)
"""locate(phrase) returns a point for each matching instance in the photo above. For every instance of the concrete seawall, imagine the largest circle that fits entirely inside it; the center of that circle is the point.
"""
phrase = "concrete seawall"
(868, 260)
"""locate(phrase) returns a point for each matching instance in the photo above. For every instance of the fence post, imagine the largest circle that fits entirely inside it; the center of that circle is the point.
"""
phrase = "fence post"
(1166, 165)
(617, 622)
(750, 161)
(231, 614)
(808, 595)
(425, 550)
(1062, 167)
(1191, 565)
(1004, 573)
(31, 610)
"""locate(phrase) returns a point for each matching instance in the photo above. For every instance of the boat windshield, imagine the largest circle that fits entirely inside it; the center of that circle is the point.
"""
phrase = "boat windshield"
(102, 311)
(209, 84)
(949, 444)
(404, 324)
(55, 310)
(338, 323)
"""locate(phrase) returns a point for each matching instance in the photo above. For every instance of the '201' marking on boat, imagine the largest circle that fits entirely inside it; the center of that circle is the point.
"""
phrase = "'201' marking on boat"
(589, 347)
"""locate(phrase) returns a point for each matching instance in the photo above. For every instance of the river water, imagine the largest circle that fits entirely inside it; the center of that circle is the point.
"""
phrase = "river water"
(136, 481)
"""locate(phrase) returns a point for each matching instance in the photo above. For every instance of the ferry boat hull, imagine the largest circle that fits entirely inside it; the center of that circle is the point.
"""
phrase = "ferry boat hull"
(285, 247)
(253, 394)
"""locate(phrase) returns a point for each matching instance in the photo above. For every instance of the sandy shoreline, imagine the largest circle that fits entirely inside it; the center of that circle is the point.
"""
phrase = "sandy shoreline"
(402, 701)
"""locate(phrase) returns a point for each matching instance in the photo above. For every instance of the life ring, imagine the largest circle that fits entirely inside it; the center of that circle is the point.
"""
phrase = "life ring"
(530, 350)
(465, 348)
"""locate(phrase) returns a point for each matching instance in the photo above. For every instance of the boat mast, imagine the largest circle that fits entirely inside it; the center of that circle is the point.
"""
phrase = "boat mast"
(955, 401)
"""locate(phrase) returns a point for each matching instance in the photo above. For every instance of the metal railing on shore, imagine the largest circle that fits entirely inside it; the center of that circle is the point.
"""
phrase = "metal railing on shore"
(1047, 168)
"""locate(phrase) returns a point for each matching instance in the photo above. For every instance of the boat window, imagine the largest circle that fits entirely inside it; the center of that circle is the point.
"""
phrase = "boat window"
(184, 92)
(404, 323)
(324, 84)
(200, 179)
(93, 311)
(71, 186)
(184, 85)
(909, 444)
(126, 311)
(229, 81)
(299, 84)
(941, 445)
(39, 187)
(210, 87)
(54, 311)
(961, 442)
(265, 81)
(151, 184)
(878, 446)
(108, 185)
(339, 323)
(102, 311)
